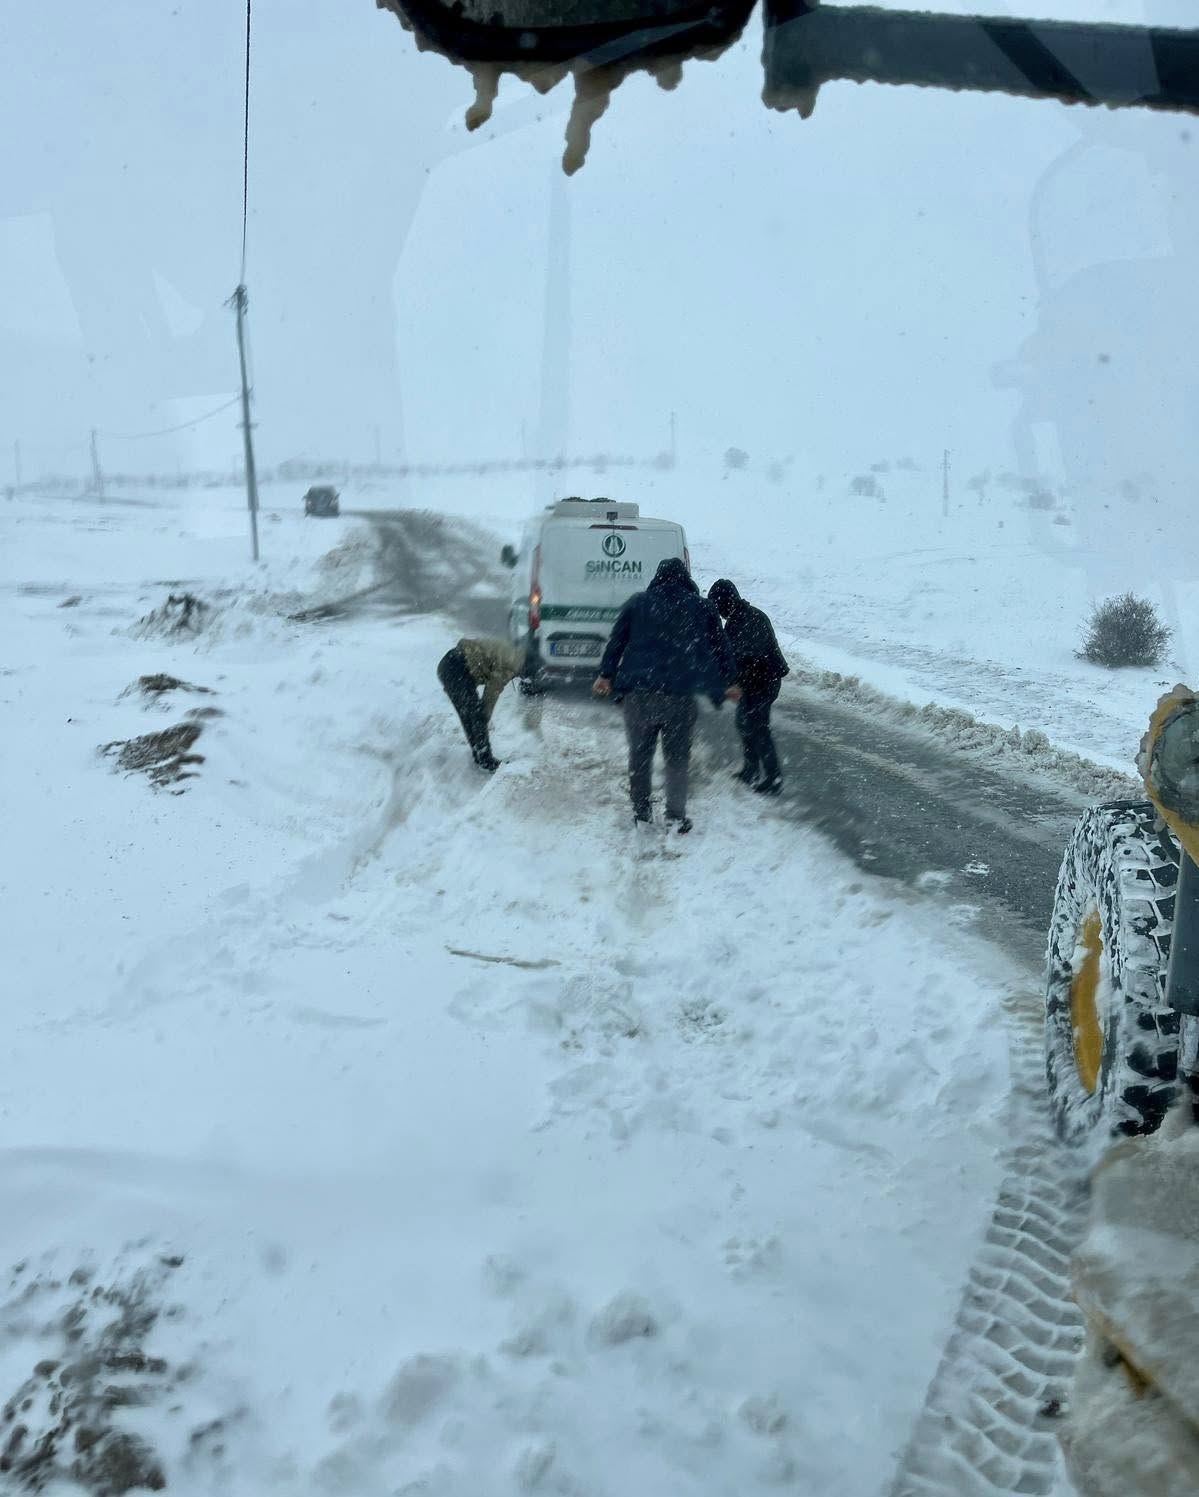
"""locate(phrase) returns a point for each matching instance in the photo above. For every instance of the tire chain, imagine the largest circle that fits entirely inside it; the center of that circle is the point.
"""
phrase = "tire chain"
(1119, 848)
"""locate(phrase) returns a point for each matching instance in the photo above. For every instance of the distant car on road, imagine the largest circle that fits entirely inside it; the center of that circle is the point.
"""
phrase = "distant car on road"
(322, 501)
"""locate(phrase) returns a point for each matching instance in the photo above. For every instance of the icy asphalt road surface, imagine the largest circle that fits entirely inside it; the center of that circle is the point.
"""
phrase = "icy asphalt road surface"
(987, 845)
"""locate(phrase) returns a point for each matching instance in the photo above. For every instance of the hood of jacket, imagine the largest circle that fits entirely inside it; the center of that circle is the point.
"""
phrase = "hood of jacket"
(673, 573)
(724, 597)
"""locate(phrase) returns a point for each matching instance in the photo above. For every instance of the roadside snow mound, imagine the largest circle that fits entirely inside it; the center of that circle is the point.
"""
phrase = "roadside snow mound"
(347, 565)
(322, 586)
(1026, 752)
(182, 616)
(349, 570)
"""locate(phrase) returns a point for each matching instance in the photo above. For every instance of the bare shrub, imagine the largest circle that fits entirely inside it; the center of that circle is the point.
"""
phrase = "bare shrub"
(1125, 631)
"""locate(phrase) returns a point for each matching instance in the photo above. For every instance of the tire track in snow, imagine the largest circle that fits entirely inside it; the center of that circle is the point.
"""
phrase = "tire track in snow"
(1017, 1331)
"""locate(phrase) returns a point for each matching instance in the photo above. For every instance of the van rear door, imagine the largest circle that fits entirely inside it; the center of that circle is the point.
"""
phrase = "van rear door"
(588, 573)
(649, 545)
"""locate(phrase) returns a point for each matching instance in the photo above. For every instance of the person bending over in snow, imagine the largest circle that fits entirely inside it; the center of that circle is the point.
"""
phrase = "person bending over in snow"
(491, 664)
(666, 648)
(761, 667)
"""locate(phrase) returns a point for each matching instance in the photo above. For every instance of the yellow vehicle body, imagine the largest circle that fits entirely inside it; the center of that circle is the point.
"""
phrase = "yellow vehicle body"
(1132, 1429)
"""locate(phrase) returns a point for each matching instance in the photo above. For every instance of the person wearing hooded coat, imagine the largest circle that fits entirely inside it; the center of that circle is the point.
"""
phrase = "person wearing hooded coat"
(761, 667)
(666, 649)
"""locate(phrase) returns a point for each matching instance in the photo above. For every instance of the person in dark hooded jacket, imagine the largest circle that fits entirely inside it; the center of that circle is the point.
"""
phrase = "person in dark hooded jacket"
(666, 648)
(761, 667)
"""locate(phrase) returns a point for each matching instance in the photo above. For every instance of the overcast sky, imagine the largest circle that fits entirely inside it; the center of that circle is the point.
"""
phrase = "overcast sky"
(904, 272)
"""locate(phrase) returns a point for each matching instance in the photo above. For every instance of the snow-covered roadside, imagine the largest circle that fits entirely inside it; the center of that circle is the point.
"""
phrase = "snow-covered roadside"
(979, 613)
(501, 1153)
(1023, 754)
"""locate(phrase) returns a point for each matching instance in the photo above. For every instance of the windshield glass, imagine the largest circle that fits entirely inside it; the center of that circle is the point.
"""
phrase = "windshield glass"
(469, 1037)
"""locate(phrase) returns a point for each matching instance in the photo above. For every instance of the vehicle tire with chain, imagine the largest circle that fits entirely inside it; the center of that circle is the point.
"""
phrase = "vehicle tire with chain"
(1111, 1041)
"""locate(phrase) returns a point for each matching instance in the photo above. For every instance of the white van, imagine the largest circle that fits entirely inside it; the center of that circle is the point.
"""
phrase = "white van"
(577, 566)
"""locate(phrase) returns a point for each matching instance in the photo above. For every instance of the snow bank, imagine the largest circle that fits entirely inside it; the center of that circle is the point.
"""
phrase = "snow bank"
(1022, 752)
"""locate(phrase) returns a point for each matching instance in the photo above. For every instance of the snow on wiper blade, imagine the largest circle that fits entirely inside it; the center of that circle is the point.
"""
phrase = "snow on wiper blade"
(807, 44)
(1088, 62)
(598, 42)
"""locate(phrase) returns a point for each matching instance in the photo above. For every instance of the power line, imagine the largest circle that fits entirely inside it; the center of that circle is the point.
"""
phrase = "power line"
(245, 158)
(55, 447)
(166, 431)
(240, 302)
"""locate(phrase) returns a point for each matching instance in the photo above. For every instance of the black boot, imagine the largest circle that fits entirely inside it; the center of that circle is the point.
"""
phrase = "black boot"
(747, 774)
(769, 787)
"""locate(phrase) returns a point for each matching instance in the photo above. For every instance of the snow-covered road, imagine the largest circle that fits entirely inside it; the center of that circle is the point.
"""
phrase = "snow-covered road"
(447, 1140)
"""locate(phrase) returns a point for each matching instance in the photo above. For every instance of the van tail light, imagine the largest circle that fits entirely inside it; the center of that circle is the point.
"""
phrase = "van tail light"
(535, 593)
(687, 560)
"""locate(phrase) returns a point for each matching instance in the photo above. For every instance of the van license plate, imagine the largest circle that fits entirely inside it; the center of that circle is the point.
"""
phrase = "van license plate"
(587, 647)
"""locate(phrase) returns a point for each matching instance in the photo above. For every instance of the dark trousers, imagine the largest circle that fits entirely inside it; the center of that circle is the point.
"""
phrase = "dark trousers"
(463, 692)
(646, 715)
(753, 724)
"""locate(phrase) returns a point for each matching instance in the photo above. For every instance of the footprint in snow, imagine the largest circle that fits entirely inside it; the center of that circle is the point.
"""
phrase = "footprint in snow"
(764, 1414)
(747, 1258)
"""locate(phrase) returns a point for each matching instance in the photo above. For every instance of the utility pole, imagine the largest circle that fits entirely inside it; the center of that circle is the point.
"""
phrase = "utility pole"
(945, 484)
(239, 303)
(552, 435)
(97, 473)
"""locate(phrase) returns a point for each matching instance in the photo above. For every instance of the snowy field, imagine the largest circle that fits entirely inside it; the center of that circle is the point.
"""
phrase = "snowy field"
(373, 1127)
